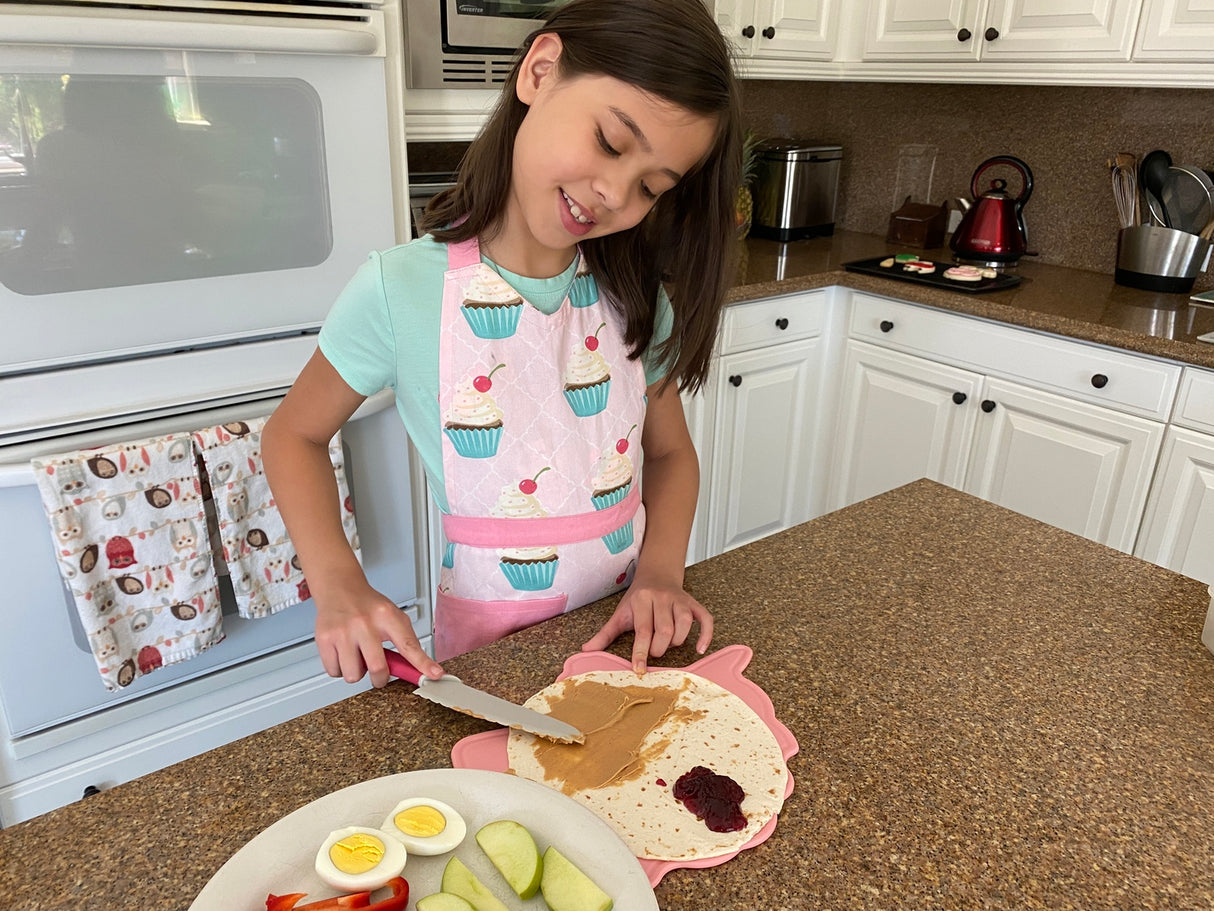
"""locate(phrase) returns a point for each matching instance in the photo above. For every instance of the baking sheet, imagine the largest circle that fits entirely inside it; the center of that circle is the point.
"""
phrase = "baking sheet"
(936, 279)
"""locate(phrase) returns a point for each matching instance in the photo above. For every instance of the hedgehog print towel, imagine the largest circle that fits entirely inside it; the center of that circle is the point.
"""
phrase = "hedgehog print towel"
(130, 536)
(265, 571)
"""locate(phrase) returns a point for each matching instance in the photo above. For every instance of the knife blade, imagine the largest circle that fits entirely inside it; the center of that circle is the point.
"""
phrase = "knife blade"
(448, 690)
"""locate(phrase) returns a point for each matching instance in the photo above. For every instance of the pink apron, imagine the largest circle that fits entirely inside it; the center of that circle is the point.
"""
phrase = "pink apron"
(542, 419)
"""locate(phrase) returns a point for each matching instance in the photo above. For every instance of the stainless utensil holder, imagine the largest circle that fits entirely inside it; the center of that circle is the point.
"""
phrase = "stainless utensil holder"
(1160, 259)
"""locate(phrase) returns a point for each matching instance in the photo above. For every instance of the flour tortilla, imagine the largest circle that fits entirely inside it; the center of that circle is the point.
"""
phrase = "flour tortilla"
(728, 738)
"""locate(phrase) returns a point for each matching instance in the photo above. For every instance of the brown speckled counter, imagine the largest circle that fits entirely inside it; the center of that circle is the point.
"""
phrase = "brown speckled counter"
(1069, 302)
(991, 713)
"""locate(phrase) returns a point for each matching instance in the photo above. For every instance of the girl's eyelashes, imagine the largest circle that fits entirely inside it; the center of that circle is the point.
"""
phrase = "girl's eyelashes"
(606, 146)
(647, 193)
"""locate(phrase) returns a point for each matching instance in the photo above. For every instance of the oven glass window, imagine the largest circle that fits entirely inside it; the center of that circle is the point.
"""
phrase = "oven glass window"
(112, 181)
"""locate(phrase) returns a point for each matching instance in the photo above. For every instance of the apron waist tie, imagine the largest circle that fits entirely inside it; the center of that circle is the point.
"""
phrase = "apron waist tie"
(490, 531)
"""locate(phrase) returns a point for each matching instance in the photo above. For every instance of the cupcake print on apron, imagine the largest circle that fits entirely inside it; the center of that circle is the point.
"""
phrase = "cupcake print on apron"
(540, 425)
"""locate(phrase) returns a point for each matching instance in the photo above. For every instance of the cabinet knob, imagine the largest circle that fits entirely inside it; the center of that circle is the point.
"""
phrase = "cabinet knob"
(735, 380)
(769, 32)
(781, 323)
(90, 791)
(1099, 380)
(748, 32)
(886, 325)
(964, 34)
(988, 406)
(991, 33)
(959, 398)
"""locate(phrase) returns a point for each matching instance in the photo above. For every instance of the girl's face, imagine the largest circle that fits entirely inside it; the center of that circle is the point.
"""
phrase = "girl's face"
(591, 157)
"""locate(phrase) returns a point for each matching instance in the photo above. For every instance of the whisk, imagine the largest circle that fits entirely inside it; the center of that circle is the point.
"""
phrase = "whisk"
(1124, 170)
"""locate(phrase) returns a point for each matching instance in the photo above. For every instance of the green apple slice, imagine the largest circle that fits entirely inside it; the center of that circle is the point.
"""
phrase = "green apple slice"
(460, 881)
(443, 901)
(566, 888)
(512, 850)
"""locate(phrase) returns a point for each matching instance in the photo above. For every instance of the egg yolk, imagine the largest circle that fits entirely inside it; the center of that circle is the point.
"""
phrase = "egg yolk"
(420, 821)
(357, 853)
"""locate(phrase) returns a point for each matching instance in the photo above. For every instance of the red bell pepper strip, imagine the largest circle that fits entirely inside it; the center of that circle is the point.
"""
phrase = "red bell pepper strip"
(357, 900)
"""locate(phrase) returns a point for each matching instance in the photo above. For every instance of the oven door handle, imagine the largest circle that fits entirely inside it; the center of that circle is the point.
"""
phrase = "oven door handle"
(16, 471)
(30, 24)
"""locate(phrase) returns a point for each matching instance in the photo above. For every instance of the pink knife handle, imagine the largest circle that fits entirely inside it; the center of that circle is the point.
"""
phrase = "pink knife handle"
(399, 666)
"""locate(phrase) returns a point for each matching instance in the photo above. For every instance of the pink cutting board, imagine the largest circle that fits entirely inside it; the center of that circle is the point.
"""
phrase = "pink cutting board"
(488, 750)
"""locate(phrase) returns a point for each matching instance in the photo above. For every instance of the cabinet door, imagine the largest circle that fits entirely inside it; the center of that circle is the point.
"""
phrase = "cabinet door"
(698, 411)
(736, 20)
(923, 29)
(767, 401)
(901, 418)
(1176, 30)
(1069, 464)
(1178, 530)
(1070, 30)
(795, 28)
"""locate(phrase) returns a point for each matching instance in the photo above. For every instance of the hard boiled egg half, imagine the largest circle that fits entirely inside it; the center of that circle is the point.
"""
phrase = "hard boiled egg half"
(359, 859)
(426, 826)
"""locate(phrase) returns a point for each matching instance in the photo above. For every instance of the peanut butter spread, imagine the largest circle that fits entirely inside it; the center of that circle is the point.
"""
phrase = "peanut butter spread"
(617, 721)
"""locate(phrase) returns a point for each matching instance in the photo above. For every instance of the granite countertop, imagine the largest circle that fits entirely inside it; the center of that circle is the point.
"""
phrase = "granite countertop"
(1070, 302)
(991, 713)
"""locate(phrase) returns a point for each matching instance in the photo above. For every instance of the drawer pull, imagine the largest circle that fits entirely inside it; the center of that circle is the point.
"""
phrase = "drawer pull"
(1099, 380)
(886, 325)
(735, 380)
(769, 32)
(781, 323)
(959, 398)
(988, 406)
(90, 791)
(748, 32)
(991, 33)
(964, 34)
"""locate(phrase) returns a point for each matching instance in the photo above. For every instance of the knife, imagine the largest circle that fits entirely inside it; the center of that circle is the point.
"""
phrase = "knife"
(452, 692)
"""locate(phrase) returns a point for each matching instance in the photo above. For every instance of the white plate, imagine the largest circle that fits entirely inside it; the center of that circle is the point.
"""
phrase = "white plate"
(280, 859)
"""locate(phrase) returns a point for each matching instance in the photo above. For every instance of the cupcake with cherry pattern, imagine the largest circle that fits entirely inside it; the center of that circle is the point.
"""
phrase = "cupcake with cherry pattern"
(587, 377)
(528, 569)
(491, 307)
(585, 290)
(473, 422)
(612, 479)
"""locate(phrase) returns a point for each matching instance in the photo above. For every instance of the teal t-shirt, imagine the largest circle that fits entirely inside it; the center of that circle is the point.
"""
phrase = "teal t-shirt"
(382, 332)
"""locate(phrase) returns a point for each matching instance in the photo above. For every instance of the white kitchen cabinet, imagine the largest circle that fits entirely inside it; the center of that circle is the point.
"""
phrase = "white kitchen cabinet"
(778, 29)
(1021, 30)
(698, 412)
(1065, 432)
(1178, 528)
(766, 403)
(1175, 30)
(1075, 466)
(901, 418)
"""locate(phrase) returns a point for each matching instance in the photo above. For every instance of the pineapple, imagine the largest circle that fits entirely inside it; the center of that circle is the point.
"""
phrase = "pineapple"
(744, 207)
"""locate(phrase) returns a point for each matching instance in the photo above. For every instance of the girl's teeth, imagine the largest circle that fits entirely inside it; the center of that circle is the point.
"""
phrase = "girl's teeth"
(575, 210)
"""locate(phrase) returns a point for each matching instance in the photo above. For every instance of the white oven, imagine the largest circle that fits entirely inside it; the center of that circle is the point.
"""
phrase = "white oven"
(184, 190)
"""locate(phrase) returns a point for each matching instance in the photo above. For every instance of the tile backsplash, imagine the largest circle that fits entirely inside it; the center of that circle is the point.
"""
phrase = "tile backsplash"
(1066, 134)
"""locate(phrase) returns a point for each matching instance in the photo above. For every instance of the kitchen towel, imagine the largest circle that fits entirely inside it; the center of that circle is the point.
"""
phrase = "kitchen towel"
(261, 559)
(130, 536)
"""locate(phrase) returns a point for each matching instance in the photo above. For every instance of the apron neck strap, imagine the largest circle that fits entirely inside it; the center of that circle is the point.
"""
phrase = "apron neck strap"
(465, 253)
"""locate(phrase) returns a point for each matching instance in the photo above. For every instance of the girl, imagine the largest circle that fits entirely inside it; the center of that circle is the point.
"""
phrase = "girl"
(533, 350)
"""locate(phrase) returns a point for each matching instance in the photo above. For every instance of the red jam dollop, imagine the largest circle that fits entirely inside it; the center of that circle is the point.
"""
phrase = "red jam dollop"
(715, 799)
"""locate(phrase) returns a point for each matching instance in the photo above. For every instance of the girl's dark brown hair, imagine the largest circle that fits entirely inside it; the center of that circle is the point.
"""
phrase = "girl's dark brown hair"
(671, 49)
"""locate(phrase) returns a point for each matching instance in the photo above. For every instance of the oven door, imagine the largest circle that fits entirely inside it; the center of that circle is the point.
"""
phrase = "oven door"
(158, 193)
(47, 674)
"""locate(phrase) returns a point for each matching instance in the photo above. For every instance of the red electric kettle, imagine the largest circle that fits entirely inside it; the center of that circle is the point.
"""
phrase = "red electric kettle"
(992, 229)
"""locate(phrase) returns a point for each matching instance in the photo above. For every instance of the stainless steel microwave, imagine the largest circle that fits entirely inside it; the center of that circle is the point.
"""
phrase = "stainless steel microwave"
(467, 43)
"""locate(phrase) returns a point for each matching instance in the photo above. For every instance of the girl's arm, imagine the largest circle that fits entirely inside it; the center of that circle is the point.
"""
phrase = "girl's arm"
(352, 618)
(655, 606)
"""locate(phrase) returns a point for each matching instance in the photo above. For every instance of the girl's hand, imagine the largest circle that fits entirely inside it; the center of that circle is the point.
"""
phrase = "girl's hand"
(660, 615)
(351, 630)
